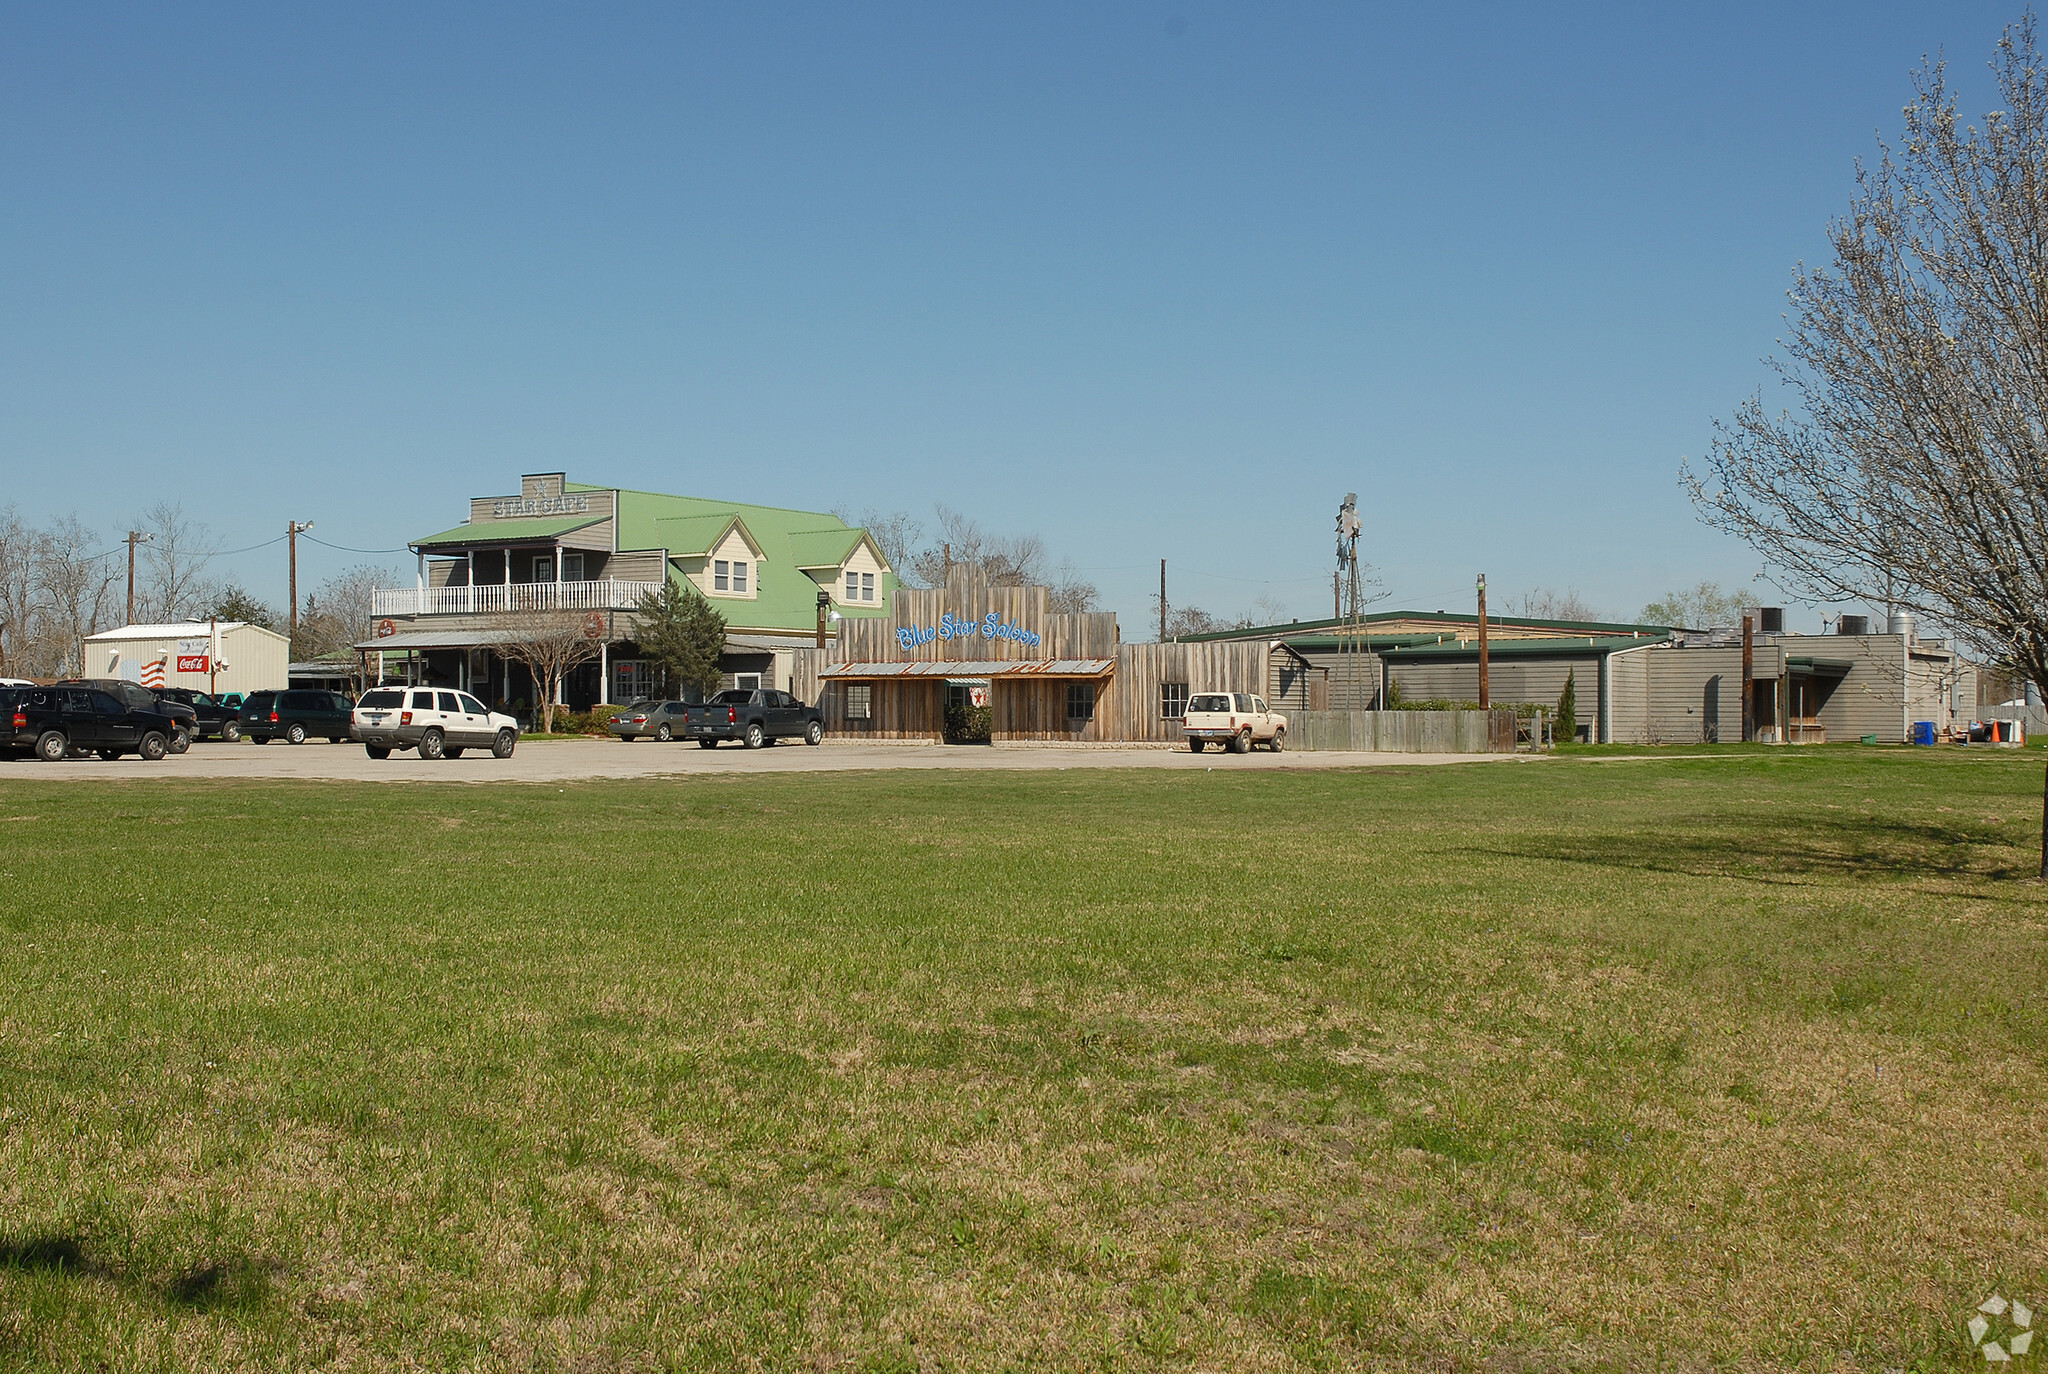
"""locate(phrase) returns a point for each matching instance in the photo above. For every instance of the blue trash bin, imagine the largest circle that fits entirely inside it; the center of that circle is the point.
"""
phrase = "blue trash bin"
(1923, 732)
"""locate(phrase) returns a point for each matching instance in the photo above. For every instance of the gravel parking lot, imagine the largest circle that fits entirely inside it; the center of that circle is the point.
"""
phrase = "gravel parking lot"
(569, 760)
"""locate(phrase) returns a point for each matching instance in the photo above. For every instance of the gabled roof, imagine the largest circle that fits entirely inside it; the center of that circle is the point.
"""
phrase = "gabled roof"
(789, 542)
(695, 536)
(491, 533)
(825, 548)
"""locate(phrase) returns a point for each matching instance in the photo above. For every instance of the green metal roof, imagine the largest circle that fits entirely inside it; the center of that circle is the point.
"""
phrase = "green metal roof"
(785, 596)
(495, 532)
(824, 548)
(1297, 629)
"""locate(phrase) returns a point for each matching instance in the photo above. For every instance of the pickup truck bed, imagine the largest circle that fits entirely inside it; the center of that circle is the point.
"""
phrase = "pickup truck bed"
(754, 718)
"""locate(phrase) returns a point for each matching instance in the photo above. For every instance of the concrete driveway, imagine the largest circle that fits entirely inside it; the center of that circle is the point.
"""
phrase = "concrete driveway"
(574, 760)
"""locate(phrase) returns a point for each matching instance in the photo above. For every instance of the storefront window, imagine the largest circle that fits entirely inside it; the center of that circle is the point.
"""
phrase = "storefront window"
(1080, 703)
(1173, 700)
(631, 679)
(858, 703)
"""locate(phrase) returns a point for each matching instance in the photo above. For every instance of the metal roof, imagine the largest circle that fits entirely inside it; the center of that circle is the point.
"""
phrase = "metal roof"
(495, 533)
(438, 639)
(990, 668)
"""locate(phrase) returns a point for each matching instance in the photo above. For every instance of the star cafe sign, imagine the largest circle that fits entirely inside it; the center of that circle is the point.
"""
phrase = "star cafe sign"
(991, 626)
(510, 507)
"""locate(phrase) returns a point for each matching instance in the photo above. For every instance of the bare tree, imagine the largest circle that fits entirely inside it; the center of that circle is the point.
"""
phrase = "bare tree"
(1545, 603)
(77, 589)
(20, 550)
(1915, 471)
(338, 611)
(1071, 593)
(549, 644)
(1006, 560)
(1267, 609)
(174, 561)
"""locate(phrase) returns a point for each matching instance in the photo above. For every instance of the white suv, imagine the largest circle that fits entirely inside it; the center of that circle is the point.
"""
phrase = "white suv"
(437, 722)
(1234, 720)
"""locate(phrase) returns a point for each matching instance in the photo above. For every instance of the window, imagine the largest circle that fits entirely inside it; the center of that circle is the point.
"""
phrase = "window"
(383, 700)
(1244, 703)
(853, 586)
(422, 701)
(1206, 705)
(544, 569)
(859, 705)
(448, 704)
(1080, 703)
(867, 586)
(1259, 705)
(572, 567)
(721, 576)
(470, 705)
(1173, 700)
(739, 577)
(746, 682)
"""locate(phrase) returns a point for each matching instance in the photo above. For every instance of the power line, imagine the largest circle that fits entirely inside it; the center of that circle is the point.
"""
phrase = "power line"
(346, 549)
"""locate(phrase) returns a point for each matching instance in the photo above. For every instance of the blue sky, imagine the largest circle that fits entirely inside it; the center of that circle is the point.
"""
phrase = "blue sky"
(1147, 280)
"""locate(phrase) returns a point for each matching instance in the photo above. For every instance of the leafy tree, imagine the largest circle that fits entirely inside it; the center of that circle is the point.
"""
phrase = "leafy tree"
(1703, 607)
(1568, 707)
(682, 635)
(233, 603)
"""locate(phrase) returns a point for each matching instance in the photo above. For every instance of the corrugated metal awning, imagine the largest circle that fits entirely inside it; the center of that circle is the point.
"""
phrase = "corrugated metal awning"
(437, 639)
(980, 668)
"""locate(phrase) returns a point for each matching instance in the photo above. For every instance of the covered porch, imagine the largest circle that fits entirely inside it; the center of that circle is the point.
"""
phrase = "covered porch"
(1001, 699)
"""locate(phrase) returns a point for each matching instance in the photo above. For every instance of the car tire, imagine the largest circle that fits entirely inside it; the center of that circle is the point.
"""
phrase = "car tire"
(295, 732)
(180, 742)
(1241, 742)
(108, 754)
(153, 746)
(51, 746)
(754, 739)
(504, 744)
(814, 733)
(231, 731)
(707, 744)
(377, 751)
(1279, 743)
(433, 745)
(1196, 746)
(664, 734)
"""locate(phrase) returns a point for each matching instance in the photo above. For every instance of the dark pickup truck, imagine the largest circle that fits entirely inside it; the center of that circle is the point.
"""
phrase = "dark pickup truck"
(754, 718)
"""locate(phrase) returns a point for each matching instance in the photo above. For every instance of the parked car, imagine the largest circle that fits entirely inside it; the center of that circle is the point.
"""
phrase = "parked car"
(213, 718)
(62, 722)
(754, 718)
(231, 700)
(185, 721)
(296, 715)
(437, 722)
(1234, 720)
(15, 682)
(657, 719)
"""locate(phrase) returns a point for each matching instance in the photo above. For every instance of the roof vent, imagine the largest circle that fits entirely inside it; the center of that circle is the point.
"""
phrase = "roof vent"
(1771, 619)
(1853, 625)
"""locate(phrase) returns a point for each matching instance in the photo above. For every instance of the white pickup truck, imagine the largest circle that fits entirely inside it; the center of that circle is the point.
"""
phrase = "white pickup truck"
(1235, 720)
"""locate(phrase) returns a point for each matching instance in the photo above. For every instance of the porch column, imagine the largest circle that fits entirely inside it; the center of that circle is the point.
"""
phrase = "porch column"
(558, 562)
(469, 583)
(419, 586)
(508, 570)
(604, 672)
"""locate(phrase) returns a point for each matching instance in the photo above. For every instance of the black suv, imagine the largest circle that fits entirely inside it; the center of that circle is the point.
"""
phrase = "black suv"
(140, 698)
(62, 722)
(213, 719)
(295, 715)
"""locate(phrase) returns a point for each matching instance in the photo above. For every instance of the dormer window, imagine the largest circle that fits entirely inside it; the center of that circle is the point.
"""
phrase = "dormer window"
(739, 576)
(721, 576)
(867, 586)
(852, 587)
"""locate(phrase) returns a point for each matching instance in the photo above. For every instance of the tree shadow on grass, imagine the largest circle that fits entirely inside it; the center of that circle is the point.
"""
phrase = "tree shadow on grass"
(1798, 851)
(231, 1283)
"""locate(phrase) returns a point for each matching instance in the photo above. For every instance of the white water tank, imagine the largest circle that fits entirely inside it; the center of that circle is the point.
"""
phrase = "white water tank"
(1903, 623)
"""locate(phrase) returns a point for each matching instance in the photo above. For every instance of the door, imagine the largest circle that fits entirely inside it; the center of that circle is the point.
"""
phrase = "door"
(113, 723)
(476, 721)
(456, 727)
(81, 722)
(785, 716)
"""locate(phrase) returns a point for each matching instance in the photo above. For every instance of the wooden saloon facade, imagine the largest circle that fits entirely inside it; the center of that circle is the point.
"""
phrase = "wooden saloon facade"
(1041, 674)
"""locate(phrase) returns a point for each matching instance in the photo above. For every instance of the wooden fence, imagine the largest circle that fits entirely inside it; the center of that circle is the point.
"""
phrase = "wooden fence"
(1404, 732)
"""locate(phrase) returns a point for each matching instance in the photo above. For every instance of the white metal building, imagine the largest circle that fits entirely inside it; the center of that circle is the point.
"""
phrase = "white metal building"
(223, 656)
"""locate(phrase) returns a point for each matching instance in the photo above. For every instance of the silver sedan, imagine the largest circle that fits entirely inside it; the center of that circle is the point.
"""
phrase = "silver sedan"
(660, 720)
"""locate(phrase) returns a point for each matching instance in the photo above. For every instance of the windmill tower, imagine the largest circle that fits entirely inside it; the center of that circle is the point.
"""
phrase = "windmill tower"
(1353, 650)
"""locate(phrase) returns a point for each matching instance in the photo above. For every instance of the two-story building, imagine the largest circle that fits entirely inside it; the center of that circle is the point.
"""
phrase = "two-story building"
(564, 546)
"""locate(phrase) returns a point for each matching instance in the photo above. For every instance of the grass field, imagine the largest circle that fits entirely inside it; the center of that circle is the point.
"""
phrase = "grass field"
(1587, 1063)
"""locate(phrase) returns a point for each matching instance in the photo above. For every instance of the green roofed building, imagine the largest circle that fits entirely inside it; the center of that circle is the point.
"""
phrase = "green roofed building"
(562, 547)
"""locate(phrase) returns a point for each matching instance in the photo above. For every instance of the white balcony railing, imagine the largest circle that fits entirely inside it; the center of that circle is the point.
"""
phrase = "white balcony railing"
(606, 595)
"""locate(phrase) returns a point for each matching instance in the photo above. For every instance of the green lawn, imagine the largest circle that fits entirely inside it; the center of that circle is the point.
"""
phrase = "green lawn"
(1587, 1063)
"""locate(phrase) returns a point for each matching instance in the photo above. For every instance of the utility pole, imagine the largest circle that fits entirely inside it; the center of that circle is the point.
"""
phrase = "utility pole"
(1748, 680)
(1336, 596)
(1485, 693)
(1162, 601)
(134, 538)
(293, 529)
